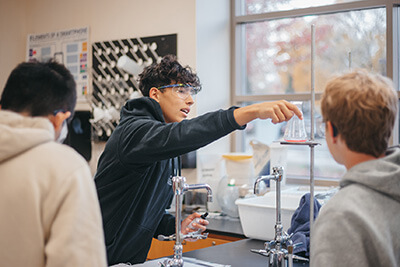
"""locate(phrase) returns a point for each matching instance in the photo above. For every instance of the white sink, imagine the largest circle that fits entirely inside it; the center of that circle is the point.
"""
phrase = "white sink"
(258, 214)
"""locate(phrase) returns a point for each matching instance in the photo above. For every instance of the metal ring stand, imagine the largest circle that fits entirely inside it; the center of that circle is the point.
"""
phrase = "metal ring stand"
(280, 250)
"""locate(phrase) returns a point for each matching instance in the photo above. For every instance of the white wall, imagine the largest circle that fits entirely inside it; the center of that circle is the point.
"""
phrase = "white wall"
(213, 66)
(213, 62)
(202, 28)
(12, 36)
(107, 20)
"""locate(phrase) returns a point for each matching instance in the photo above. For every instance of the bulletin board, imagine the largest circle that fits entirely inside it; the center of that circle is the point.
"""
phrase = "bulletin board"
(69, 47)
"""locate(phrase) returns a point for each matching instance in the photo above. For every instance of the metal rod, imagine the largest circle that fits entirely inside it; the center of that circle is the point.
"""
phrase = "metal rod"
(178, 219)
(311, 187)
(349, 60)
(312, 79)
(278, 197)
(312, 126)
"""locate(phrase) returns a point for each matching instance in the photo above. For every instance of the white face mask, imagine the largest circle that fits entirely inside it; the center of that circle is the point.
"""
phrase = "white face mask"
(63, 133)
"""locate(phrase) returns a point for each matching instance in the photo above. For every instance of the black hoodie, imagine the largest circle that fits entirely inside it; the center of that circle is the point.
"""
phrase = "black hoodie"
(133, 173)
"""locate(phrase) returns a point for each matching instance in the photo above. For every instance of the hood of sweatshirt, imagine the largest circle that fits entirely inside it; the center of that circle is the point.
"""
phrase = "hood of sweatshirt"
(381, 175)
(139, 107)
(20, 133)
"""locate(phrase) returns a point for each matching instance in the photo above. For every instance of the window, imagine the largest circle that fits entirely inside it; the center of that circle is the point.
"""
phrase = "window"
(262, 6)
(272, 60)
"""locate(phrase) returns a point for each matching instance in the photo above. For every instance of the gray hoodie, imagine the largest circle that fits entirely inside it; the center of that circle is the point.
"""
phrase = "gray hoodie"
(360, 225)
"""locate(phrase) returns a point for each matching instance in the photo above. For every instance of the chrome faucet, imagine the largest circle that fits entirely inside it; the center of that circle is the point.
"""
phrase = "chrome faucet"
(179, 186)
(280, 250)
(200, 186)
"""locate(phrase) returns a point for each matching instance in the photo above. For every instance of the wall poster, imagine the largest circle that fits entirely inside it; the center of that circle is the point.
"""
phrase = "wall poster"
(69, 47)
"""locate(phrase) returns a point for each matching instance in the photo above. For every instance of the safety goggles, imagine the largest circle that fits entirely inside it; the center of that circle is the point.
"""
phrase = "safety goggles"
(182, 90)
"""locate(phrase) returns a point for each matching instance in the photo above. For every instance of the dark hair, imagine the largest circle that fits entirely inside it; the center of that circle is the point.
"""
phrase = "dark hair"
(164, 73)
(39, 89)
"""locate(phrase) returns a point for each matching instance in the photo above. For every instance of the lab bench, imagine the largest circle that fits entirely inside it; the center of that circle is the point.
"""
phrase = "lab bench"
(221, 230)
(226, 244)
(236, 254)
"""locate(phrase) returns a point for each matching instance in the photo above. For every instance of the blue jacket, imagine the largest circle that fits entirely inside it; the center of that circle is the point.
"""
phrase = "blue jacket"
(133, 173)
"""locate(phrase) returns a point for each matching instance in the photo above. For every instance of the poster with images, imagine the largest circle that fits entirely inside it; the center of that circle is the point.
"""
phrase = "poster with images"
(69, 47)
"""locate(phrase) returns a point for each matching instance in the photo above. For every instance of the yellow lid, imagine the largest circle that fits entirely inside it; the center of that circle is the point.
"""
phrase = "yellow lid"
(237, 157)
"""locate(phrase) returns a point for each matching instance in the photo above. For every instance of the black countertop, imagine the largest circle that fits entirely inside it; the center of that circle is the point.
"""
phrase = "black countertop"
(236, 254)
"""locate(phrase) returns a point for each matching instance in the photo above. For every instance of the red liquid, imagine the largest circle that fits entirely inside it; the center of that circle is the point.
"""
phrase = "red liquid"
(296, 141)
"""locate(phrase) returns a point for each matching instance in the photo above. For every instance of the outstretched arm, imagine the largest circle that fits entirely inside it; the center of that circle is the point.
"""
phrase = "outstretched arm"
(277, 111)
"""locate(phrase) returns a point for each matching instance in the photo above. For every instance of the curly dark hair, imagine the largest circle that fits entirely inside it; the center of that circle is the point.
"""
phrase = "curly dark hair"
(164, 73)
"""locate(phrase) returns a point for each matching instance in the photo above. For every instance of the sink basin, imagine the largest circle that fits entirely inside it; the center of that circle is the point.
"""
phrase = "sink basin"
(258, 214)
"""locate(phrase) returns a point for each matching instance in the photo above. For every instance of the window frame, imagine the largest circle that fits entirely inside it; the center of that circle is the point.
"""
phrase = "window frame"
(236, 50)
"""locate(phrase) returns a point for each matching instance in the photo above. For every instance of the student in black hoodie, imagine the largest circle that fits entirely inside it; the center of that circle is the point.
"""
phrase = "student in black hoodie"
(134, 171)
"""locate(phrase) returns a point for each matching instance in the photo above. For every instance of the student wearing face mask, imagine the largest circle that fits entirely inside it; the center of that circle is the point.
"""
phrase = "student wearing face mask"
(142, 154)
(49, 210)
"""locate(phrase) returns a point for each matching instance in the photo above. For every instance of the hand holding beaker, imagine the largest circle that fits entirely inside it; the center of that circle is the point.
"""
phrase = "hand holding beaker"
(295, 130)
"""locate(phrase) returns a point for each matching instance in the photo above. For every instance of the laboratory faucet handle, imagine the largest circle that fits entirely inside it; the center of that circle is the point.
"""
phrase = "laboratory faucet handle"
(270, 245)
(292, 256)
(287, 239)
(277, 170)
(261, 252)
(171, 263)
(299, 244)
(179, 184)
(166, 238)
(195, 235)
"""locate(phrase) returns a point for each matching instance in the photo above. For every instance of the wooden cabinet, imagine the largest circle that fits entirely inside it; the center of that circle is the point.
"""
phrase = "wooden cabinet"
(160, 249)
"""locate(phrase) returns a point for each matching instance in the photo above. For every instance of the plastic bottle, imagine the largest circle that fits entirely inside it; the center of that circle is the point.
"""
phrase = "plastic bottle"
(197, 220)
(227, 194)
